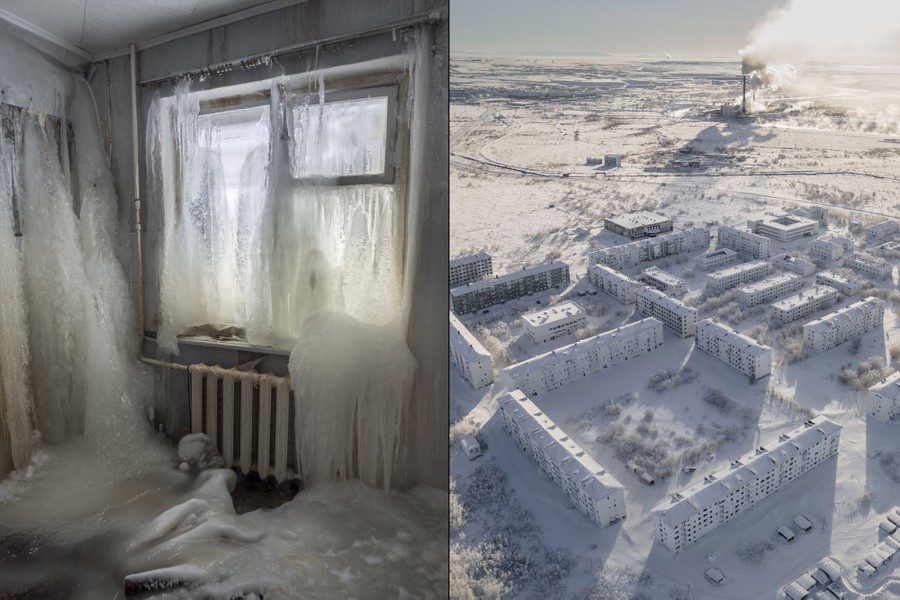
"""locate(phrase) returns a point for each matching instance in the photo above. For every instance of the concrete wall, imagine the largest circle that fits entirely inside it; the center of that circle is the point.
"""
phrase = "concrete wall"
(428, 212)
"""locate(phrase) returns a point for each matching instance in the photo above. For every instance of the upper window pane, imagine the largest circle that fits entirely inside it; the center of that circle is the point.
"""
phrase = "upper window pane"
(340, 139)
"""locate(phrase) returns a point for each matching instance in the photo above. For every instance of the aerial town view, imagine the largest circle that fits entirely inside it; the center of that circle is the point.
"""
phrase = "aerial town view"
(674, 307)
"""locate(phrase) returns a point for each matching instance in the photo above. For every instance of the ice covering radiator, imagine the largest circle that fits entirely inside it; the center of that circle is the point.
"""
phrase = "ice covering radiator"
(251, 430)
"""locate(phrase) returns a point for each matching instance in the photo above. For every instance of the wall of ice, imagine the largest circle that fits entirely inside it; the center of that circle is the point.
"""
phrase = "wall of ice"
(424, 220)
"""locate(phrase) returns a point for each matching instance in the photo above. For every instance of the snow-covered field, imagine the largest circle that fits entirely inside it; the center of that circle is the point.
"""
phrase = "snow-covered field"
(521, 131)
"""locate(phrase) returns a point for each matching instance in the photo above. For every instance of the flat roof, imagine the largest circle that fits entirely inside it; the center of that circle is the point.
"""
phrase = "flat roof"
(889, 387)
(738, 269)
(580, 347)
(847, 312)
(768, 282)
(506, 277)
(553, 314)
(663, 276)
(787, 222)
(468, 259)
(731, 336)
(834, 277)
(637, 219)
(804, 297)
(611, 273)
(717, 486)
(719, 252)
(463, 340)
(558, 446)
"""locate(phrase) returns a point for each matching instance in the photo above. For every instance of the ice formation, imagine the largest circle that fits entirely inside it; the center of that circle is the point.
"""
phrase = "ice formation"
(280, 241)
(353, 382)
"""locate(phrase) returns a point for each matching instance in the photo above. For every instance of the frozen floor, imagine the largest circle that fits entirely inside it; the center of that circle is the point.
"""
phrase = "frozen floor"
(87, 517)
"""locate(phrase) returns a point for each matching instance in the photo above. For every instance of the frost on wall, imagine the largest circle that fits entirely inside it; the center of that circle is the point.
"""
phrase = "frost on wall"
(257, 234)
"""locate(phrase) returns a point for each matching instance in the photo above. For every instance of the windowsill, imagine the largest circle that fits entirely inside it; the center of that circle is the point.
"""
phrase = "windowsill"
(241, 345)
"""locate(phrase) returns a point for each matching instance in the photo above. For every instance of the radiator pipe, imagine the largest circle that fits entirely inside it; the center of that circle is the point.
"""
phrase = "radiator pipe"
(135, 160)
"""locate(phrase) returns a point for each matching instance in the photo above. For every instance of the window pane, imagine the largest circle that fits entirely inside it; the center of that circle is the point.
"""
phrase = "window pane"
(340, 139)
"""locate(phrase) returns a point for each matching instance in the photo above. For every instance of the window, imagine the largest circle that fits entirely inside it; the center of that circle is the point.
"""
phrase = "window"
(278, 204)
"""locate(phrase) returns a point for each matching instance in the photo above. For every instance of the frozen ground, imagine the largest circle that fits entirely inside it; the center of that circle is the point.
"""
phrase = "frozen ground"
(521, 131)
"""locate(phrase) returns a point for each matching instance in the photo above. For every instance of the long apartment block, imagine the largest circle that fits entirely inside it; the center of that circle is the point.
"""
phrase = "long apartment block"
(619, 286)
(634, 253)
(744, 242)
(847, 287)
(843, 325)
(674, 314)
(868, 265)
(792, 263)
(721, 496)
(769, 289)
(473, 267)
(884, 398)
(477, 295)
(595, 492)
(736, 275)
(664, 281)
(804, 304)
(558, 367)
(784, 228)
(467, 354)
(734, 349)
(716, 259)
(554, 321)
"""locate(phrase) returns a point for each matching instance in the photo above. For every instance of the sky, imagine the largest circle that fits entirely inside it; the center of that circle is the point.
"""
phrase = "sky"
(681, 28)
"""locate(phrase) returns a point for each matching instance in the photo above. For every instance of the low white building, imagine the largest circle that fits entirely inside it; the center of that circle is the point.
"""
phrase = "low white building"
(796, 265)
(843, 325)
(595, 492)
(619, 286)
(470, 446)
(734, 349)
(553, 321)
(769, 289)
(847, 287)
(716, 259)
(638, 224)
(721, 496)
(869, 265)
(473, 267)
(804, 304)
(674, 314)
(884, 398)
(469, 357)
(881, 231)
(664, 282)
(736, 275)
(745, 243)
(647, 249)
(558, 367)
(825, 250)
(784, 228)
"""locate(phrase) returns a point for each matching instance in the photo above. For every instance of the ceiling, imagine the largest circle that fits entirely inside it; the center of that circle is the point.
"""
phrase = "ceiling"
(104, 28)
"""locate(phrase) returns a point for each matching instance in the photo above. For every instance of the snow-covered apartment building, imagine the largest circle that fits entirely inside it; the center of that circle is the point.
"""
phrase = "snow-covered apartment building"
(674, 314)
(734, 349)
(842, 325)
(693, 513)
(869, 265)
(716, 259)
(558, 367)
(744, 242)
(471, 359)
(814, 212)
(663, 281)
(784, 228)
(768, 289)
(736, 275)
(480, 294)
(638, 224)
(638, 251)
(473, 267)
(804, 304)
(619, 286)
(884, 398)
(847, 287)
(596, 493)
(553, 321)
(882, 230)
(830, 249)
(792, 263)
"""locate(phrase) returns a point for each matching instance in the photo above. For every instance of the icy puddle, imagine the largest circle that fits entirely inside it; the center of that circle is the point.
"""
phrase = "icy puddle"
(88, 517)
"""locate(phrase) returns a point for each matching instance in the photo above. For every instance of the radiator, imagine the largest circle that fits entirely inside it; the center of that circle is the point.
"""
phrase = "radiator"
(236, 410)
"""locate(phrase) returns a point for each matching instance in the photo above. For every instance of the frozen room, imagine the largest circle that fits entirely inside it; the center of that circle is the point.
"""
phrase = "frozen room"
(223, 249)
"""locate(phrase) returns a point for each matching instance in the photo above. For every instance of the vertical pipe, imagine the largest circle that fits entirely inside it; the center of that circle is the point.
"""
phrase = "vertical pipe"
(135, 160)
(196, 397)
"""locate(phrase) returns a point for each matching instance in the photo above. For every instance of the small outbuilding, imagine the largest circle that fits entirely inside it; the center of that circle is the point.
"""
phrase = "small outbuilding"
(470, 446)
(786, 533)
(803, 523)
(714, 575)
(831, 568)
(795, 591)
